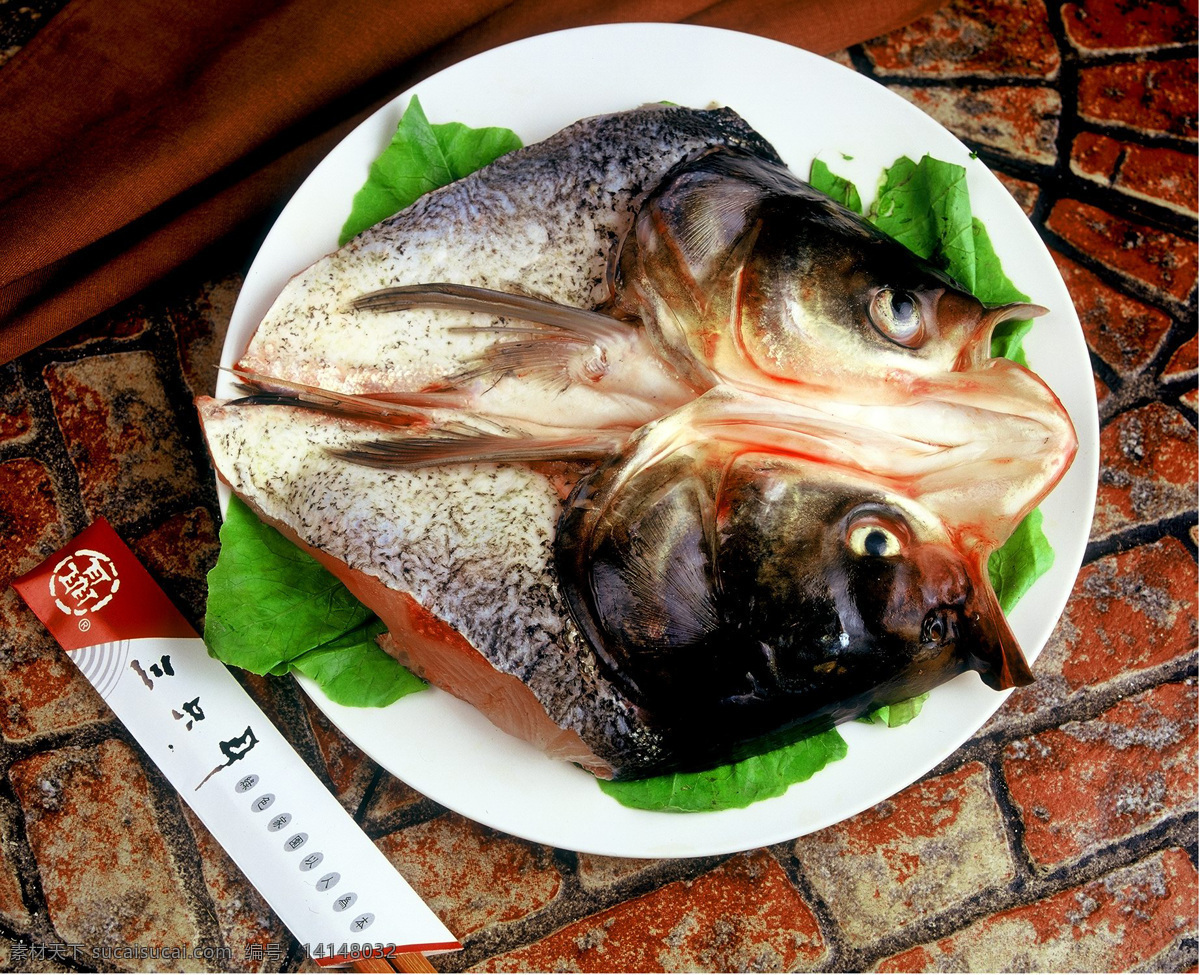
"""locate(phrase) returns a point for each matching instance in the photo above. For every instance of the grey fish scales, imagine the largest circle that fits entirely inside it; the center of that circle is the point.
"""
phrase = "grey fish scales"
(472, 544)
(541, 220)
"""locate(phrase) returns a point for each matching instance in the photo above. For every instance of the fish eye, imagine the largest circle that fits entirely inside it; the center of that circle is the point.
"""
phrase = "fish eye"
(897, 316)
(871, 538)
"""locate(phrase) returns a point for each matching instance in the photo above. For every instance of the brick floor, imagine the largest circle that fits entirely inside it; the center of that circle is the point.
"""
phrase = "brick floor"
(742, 916)
(65, 796)
(473, 877)
(1062, 837)
(1132, 915)
(1085, 784)
(921, 853)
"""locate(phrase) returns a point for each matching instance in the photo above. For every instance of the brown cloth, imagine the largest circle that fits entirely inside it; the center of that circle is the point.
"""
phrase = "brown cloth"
(135, 134)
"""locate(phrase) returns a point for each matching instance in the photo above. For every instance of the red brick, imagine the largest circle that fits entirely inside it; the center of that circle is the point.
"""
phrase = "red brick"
(1122, 331)
(1129, 612)
(597, 872)
(1104, 26)
(1025, 193)
(179, 553)
(200, 324)
(104, 866)
(1090, 783)
(1150, 96)
(992, 38)
(843, 58)
(1158, 175)
(184, 547)
(31, 525)
(349, 769)
(1183, 361)
(40, 689)
(926, 850)
(470, 876)
(1148, 469)
(1017, 121)
(1156, 257)
(121, 434)
(391, 796)
(1120, 922)
(242, 915)
(43, 693)
(742, 916)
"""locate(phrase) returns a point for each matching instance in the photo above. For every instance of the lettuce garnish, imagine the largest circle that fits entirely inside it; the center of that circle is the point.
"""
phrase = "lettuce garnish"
(273, 609)
(421, 157)
(736, 785)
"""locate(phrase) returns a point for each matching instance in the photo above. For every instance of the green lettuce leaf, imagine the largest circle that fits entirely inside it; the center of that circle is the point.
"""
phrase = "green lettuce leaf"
(421, 157)
(926, 207)
(993, 287)
(820, 177)
(732, 786)
(894, 715)
(1020, 561)
(273, 608)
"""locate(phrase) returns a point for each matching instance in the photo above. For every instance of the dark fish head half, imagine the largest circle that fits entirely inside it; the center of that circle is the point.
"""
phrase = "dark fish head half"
(743, 271)
(743, 600)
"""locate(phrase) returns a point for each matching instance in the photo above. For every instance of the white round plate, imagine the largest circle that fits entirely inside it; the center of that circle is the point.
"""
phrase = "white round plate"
(807, 106)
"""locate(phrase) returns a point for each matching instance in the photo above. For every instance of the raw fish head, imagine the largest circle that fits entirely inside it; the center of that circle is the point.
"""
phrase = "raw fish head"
(744, 273)
(742, 598)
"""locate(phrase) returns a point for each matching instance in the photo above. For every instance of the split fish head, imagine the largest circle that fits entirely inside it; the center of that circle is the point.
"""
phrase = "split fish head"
(744, 273)
(743, 600)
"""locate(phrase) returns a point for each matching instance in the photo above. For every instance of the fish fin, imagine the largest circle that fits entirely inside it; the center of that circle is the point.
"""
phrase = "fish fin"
(557, 344)
(668, 571)
(475, 448)
(549, 359)
(394, 407)
(708, 217)
(585, 326)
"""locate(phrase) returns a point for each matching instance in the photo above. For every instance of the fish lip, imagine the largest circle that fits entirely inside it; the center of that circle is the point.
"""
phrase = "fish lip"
(999, 659)
(978, 347)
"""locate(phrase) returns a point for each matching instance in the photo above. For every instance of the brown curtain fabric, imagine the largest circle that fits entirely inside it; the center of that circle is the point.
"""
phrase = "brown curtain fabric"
(134, 134)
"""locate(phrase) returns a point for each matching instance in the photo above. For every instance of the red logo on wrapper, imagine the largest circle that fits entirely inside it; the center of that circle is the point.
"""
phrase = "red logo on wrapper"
(95, 591)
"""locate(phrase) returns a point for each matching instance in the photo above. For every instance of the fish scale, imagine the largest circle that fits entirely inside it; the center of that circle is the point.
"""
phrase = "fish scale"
(495, 585)
(541, 221)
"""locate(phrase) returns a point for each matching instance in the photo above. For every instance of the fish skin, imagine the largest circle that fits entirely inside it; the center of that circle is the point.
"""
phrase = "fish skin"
(719, 581)
(543, 220)
(480, 548)
(472, 544)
